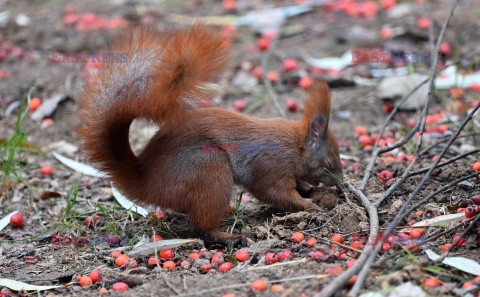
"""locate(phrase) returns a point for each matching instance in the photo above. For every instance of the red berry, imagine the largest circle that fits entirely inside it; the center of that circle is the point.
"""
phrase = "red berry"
(158, 215)
(122, 260)
(385, 176)
(364, 140)
(271, 258)
(167, 254)
(416, 233)
(284, 255)
(16, 221)
(169, 266)
(457, 93)
(115, 254)
(290, 64)
(34, 104)
(6, 292)
(218, 260)
(368, 9)
(467, 285)
(85, 281)
(387, 107)
(263, 43)
(91, 221)
(470, 212)
(240, 105)
(460, 243)
(206, 267)
(474, 87)
(311, 242)
(412, 243)
(120, 287)
(47, 170)
(225, 267)
(476, 199)
(356, 244)
(317, 255)
(361, 130)
(351, 281)
(257, 72)
(113, 240)
(387, 4)
(337, 238)
(431, 282)
(305, 82)
(259, 285)
(96, 276)
(185, 265)
(351, 263)
(476, 166)
(292, 105)
(103, 291)
(297, 237)
(386, 33)
(424, 23)
(229, 5)
(277, 288)
(153, 261)
(194, 256)
(242, 256)
(273, 76)
(335, 270)
(386, 246)
(445, 48)
(445, 247)
(156, 238)
(131, 264)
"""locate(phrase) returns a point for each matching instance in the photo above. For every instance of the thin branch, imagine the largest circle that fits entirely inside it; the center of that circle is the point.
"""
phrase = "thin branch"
(338, 282)
(396, 221)
(376, 150)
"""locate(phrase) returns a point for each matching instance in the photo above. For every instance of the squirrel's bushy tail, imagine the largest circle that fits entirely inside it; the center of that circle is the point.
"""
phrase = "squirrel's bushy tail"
(163, 73)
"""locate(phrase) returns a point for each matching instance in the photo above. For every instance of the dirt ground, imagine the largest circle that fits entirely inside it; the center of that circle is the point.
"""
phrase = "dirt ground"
(266, 230)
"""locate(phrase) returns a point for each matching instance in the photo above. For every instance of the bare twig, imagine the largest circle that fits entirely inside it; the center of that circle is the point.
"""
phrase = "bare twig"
(376, 150)
(366, 259)
(396, 221)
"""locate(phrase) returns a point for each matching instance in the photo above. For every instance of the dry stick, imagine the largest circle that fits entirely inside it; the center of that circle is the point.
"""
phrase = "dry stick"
(472, 223)
(340, 281)
(376, 150)
(363, 273)
(266, 82)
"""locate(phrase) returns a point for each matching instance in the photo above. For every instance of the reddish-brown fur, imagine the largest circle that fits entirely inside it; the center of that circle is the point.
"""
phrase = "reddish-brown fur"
(167, 71)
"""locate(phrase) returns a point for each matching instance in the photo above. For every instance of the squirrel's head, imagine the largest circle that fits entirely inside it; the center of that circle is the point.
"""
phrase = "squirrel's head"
(321, 147)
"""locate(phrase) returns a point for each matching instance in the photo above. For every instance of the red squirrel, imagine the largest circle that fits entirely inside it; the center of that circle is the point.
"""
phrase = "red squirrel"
(166, 73)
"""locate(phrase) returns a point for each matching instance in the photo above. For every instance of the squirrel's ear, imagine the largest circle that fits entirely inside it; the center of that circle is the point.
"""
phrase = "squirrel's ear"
(316, 132)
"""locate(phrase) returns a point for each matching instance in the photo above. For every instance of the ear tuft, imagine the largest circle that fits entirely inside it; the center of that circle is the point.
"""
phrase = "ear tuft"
(317, 130)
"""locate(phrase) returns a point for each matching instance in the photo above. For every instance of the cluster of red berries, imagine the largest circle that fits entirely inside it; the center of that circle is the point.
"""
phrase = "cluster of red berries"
(90, 21)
